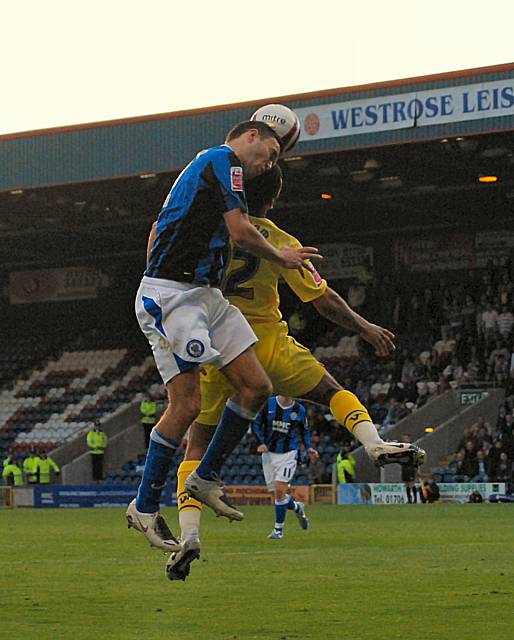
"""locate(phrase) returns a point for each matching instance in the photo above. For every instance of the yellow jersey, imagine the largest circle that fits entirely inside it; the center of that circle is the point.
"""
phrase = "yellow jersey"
(251, 283)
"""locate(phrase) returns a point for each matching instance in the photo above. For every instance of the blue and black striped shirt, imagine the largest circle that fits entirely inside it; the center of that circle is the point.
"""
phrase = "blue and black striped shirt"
(191, 237)
(282, 429)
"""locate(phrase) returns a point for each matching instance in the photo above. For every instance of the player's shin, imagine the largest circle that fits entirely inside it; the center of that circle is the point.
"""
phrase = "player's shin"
(234, 423)
(189, 509)
(158, 462)
(352, 414)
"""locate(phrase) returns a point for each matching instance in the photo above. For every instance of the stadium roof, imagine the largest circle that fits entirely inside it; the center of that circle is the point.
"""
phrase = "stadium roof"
(431, 107)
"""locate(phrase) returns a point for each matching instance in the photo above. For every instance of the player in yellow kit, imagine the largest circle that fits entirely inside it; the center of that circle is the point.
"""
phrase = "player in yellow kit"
(251, 284)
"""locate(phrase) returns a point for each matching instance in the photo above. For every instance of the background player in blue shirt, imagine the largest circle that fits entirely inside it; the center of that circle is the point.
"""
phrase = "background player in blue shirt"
(281, 428)
(189, 323)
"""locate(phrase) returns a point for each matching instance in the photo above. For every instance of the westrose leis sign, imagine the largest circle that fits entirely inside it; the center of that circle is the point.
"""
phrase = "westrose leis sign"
(419, 108)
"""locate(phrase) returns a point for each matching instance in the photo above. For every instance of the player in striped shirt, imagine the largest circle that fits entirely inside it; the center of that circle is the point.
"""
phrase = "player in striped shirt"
(281, 428)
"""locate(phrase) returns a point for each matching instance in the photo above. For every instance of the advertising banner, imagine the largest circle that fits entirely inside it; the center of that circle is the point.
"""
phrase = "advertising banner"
(394, 493)
(448, 252)
(55, 285)
(411, 109)
(346, 261)
(108, 495)
(255, 495)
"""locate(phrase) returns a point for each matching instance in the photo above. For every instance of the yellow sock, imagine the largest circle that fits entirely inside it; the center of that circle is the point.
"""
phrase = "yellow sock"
(184, 500)
(348, 410)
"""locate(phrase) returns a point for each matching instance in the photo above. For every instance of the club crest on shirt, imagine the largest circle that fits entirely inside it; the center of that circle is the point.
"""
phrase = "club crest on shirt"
(236, 178)
(195, 348)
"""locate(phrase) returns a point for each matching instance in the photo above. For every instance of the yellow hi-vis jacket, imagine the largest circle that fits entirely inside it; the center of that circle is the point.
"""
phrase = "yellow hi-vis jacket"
(148, 410)
(13, 470)
(45, 466)
(30, 468)
(96, 441)
(345, 468)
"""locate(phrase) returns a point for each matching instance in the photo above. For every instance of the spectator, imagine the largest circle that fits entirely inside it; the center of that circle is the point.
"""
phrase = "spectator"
(493, 460)
(481, 476)
(489, 318)
(148, 408)
(317, 473)
(31, 468)
(45, 467)
(505, 323)
(297, 323)
(97, 442)
(503, 469)
(470, 463)
(357, 296)
(8, 459)
(346, 466)
(12, 474)
(505, 290)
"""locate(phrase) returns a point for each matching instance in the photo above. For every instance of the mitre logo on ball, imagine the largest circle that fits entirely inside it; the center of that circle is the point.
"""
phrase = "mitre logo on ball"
(284, 122)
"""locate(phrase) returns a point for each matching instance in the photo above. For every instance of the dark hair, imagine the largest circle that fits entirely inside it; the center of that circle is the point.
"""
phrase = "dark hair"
(264, 130)
(263, 189)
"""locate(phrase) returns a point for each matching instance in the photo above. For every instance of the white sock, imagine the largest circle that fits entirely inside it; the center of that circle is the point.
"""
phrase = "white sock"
(367, 434)
(189, 520)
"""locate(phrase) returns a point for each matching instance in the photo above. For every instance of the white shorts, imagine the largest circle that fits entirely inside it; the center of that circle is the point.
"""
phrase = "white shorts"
(278, 467)
(188, 325)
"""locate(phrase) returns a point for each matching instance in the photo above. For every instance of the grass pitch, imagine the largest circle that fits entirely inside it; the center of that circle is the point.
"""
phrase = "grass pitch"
(442, 572)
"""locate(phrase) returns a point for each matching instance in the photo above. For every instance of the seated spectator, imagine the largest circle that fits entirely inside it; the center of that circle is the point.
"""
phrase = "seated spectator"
(505, 290)
(488, 323)
(470, 463)
(481, 476)
(503, 469)
(493, 459)
(317, 473)
(505, 323)
(443, 348)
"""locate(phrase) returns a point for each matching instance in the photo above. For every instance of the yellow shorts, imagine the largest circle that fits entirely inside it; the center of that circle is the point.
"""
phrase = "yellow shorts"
(292, 369)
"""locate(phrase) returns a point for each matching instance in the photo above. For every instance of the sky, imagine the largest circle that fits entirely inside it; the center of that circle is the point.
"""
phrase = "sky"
(73, 62)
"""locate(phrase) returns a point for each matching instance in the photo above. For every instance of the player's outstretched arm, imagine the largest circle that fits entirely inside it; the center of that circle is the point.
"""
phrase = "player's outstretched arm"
(333, 307)
(244, 234)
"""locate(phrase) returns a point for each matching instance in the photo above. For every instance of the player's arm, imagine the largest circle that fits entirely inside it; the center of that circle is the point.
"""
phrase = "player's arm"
(333, 307)
(151, 240)
(257, 430)
(244, 234)
(307, 442)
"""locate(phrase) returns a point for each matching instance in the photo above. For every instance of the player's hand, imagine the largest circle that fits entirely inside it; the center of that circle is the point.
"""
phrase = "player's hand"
(296, 258)
(262, 448)
(381, 339)
(313, 454)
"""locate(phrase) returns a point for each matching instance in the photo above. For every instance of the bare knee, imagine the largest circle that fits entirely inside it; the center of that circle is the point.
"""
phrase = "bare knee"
(185, 410)
(253, 397)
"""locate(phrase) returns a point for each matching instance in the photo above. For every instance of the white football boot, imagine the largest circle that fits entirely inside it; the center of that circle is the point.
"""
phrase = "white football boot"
(400, 452)
(153, 527)
(179, 563)
(210, 492)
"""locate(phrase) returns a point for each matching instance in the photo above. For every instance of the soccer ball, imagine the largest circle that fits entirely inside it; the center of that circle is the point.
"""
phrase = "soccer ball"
(283, 121)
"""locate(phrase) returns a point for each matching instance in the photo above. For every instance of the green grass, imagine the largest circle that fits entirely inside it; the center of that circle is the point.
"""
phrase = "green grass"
(363, 572)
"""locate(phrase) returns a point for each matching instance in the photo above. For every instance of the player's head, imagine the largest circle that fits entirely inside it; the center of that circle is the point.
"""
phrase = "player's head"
(261, 192)
(256, 145)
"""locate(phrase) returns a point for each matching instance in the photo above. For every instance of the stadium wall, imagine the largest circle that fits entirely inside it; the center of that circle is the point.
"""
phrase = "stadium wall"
(166, 142)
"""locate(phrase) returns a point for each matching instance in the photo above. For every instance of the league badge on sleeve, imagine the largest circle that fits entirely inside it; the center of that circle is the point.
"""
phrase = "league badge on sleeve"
(236, 178)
